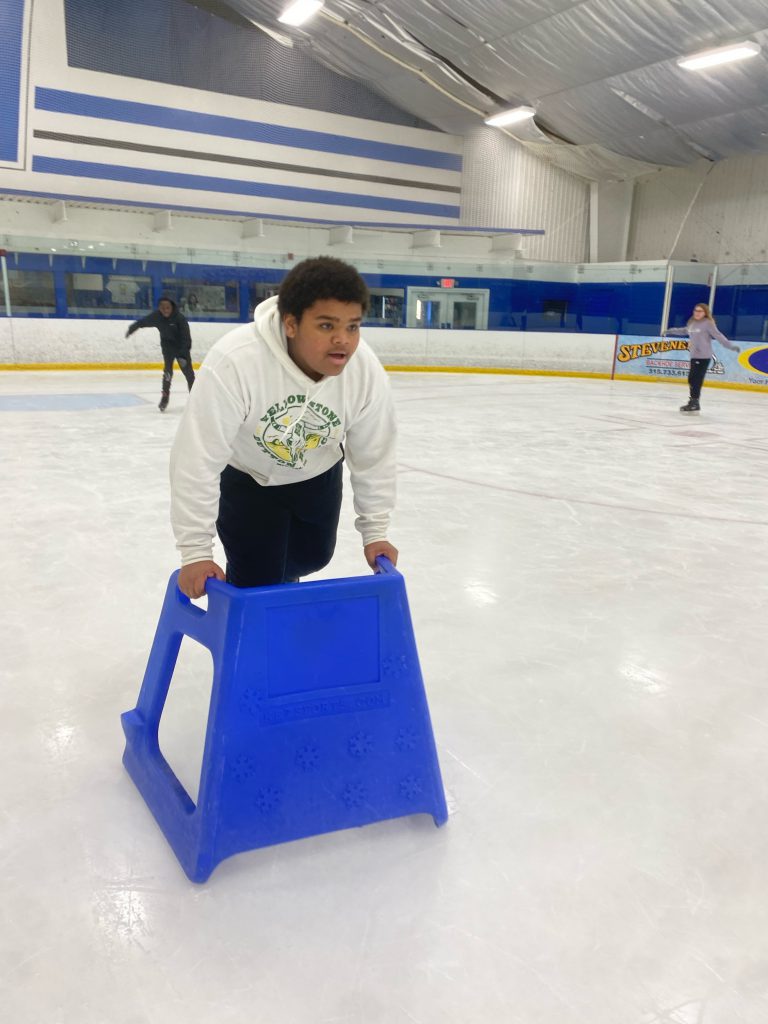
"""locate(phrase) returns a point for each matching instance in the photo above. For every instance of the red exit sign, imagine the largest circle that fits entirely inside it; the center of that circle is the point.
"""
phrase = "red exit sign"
(447, 282)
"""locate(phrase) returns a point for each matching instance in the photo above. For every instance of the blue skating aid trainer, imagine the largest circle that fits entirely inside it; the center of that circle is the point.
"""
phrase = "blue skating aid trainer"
(318, 719)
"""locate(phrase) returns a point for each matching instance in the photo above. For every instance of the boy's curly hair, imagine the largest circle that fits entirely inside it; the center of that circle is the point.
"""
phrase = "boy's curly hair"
(321, 277)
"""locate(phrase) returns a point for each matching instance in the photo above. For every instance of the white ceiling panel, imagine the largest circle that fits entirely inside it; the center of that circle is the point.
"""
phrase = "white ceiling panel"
(600, 73)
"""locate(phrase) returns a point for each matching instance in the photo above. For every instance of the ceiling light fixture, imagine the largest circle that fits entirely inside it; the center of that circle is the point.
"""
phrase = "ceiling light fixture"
(510, 116)
(721, 55)
(300, 11)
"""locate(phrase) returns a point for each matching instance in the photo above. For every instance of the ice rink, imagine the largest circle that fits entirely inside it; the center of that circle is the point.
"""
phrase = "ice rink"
(586, 570)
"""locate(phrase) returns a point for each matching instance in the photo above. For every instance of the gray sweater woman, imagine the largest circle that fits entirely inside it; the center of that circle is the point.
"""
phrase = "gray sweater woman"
(701, 329)
(700, 334)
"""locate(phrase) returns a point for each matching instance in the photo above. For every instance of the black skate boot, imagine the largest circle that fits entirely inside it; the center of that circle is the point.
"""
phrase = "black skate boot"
(163, 402)
(692, 406)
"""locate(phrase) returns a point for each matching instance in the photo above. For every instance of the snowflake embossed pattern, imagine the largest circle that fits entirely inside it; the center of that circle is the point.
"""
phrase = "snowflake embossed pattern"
(251, 701)
(243, 768)
(360, 744)
(353, 794)
(308, 757)
(266, 799)
(405, 740)
(395, 666)
(411, 787)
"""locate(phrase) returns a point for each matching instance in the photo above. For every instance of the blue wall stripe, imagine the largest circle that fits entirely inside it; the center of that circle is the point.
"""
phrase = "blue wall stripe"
(173, 179)
(145, 204)
(84, 105)
(11, 40)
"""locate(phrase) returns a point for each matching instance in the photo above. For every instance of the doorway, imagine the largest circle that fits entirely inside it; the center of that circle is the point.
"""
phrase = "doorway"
(458, 309)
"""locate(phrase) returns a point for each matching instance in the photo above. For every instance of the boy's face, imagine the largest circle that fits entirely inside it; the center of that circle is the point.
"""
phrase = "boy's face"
(325, 339)
(165, 308)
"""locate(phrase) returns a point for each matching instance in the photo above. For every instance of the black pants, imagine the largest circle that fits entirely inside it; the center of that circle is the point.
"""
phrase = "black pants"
(696, 377)
(277, 534)
(184, 359)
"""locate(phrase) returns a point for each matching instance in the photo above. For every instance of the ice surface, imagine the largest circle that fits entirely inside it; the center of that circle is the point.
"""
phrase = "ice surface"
(586, 572)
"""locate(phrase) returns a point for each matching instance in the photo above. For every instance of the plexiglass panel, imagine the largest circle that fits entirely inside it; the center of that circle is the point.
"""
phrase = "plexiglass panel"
(741, 301)
(89, 294)
(691, 283)
(79, 278)
(199, 298)
(32, 292)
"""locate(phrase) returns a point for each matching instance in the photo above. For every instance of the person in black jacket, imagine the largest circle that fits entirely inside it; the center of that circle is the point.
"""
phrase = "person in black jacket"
(175, 342)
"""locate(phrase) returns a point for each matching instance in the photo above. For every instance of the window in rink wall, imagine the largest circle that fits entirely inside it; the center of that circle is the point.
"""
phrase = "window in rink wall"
(90, 294)
(258, 292)
(385, 308)
(204, 300)
(32, 292)
(551, 316)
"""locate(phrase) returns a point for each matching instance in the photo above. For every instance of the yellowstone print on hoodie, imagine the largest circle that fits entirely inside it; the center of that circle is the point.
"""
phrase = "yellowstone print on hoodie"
(293, 427)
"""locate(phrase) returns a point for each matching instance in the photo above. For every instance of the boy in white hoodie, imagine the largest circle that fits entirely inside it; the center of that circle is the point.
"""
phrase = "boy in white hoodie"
(258, 454)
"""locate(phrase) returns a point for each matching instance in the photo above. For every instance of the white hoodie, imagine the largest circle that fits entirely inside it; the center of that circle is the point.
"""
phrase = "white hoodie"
(254, 409)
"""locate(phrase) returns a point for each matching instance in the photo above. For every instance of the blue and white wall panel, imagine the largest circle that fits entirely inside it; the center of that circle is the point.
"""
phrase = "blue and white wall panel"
(14, 73)
(95, 136)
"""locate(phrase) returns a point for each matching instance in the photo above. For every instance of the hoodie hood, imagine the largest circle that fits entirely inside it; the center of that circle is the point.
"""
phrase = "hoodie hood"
(267, 318)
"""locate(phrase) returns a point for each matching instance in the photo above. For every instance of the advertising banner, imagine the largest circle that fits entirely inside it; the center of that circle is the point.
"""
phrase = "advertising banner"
(642, 358)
